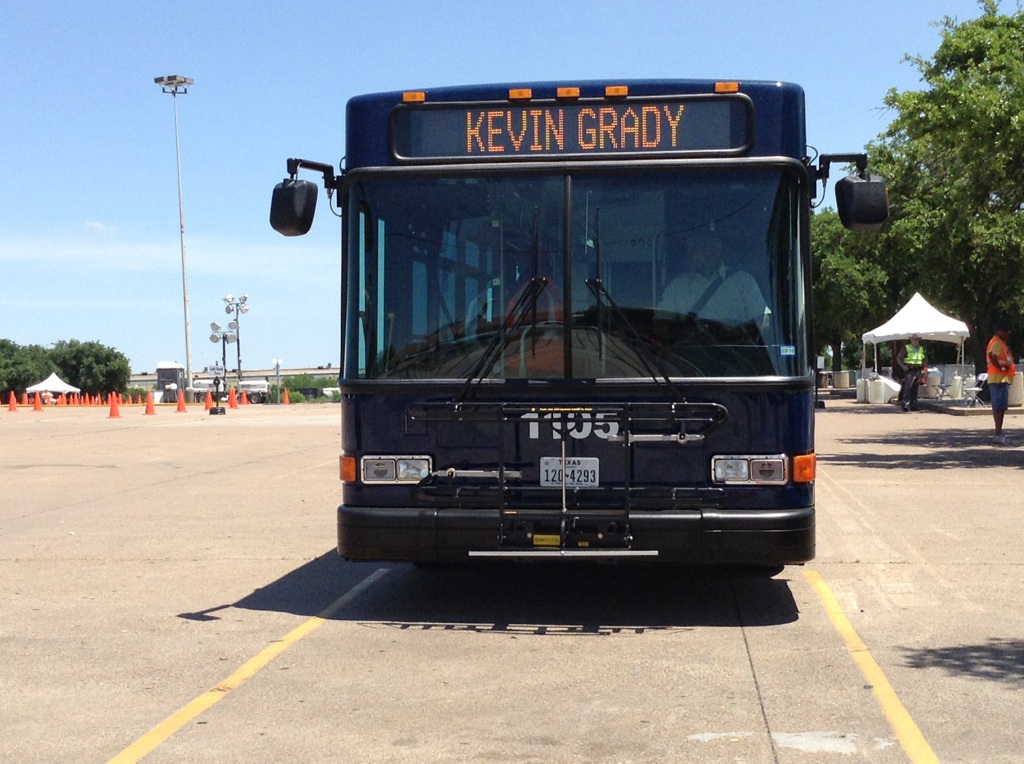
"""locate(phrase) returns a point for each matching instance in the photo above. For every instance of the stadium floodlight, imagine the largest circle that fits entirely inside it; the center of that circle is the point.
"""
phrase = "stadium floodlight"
(173, 81)
(175, 84)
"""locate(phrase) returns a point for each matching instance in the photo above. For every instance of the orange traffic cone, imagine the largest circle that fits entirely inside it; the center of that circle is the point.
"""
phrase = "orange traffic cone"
(245, 398)
(62, 400)
(285, 400)
(181, 403)
(115, 412)
(12, 403)
(149, 403)
(209, 400)
(38, 405)
(232, 399)
(24, 399)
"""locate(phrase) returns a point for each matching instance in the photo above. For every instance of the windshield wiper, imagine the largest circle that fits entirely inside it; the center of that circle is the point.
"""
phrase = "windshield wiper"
(634, 341)
(525, 304)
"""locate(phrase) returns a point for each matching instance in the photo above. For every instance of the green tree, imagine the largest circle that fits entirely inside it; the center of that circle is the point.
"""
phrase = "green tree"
(847, 284)
(22, 366)
(91, 366)
(952, 157)
(308, 382)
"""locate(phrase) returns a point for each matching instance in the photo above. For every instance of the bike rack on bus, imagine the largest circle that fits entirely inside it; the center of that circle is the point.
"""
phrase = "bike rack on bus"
(530, 521)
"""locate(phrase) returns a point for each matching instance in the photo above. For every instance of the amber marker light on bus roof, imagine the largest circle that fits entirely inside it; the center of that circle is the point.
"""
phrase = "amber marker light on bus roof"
(520, 94)
(414, 96)
(804, 468)
(568, 92)
(616, 91)
(727, 87)
(347, 466)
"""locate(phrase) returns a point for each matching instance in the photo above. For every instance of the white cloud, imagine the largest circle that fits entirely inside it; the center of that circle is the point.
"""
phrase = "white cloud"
(95, 225)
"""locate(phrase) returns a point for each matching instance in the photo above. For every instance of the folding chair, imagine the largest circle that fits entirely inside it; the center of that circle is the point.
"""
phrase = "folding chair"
(954, 391)
(973, 393)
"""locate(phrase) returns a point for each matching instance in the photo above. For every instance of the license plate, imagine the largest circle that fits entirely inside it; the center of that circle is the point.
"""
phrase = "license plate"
(579, 472)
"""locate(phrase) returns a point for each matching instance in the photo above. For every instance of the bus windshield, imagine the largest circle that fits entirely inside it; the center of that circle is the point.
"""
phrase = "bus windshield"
(585, 275)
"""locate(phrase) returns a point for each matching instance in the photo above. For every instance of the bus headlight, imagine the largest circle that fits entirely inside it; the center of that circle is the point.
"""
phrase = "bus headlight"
(394, 469)
(750, 470)
(730, 469)
(413, 470)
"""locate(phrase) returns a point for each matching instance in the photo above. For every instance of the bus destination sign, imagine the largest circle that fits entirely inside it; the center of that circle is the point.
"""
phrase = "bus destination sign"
(502, 132)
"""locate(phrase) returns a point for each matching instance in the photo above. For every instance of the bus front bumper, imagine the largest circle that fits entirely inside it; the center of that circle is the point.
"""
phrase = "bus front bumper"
(694, 537)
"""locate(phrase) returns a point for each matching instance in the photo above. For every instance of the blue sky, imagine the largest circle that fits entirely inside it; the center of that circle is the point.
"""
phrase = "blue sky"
(89, 245)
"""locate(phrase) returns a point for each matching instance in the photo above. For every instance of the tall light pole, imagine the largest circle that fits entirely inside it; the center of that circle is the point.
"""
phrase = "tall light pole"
(236, 306)
(175, 84)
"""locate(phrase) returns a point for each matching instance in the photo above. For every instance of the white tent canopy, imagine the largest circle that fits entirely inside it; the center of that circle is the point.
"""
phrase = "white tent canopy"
(919, 317)
(53, 384)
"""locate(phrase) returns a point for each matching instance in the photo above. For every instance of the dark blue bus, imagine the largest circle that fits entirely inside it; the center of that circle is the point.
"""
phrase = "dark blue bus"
(577, 320)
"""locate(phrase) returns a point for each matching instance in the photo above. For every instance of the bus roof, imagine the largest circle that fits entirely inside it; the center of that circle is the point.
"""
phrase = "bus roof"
(777, 109)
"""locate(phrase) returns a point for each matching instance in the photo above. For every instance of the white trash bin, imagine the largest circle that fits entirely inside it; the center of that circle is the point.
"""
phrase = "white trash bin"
(956, 388)
(1017, 390)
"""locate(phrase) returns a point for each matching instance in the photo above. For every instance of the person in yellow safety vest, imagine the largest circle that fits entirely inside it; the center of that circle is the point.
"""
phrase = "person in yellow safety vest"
(1000, 370)
(914, 363)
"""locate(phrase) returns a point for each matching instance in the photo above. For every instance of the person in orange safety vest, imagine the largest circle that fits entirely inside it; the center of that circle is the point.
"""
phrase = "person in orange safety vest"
(1000, 375)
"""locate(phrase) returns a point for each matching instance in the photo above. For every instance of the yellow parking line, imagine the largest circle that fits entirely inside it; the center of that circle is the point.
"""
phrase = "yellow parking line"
(161, 732)
(907, 732)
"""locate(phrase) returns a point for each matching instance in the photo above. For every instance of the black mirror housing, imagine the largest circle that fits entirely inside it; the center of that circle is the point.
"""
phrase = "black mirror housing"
(863, 202)
(293, 206)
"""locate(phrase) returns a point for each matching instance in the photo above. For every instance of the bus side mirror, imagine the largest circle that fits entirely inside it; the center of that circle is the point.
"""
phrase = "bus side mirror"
(292, 207)
(863, 202)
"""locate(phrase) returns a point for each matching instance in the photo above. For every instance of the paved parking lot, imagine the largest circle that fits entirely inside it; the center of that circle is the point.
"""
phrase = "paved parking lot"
(171, 593)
